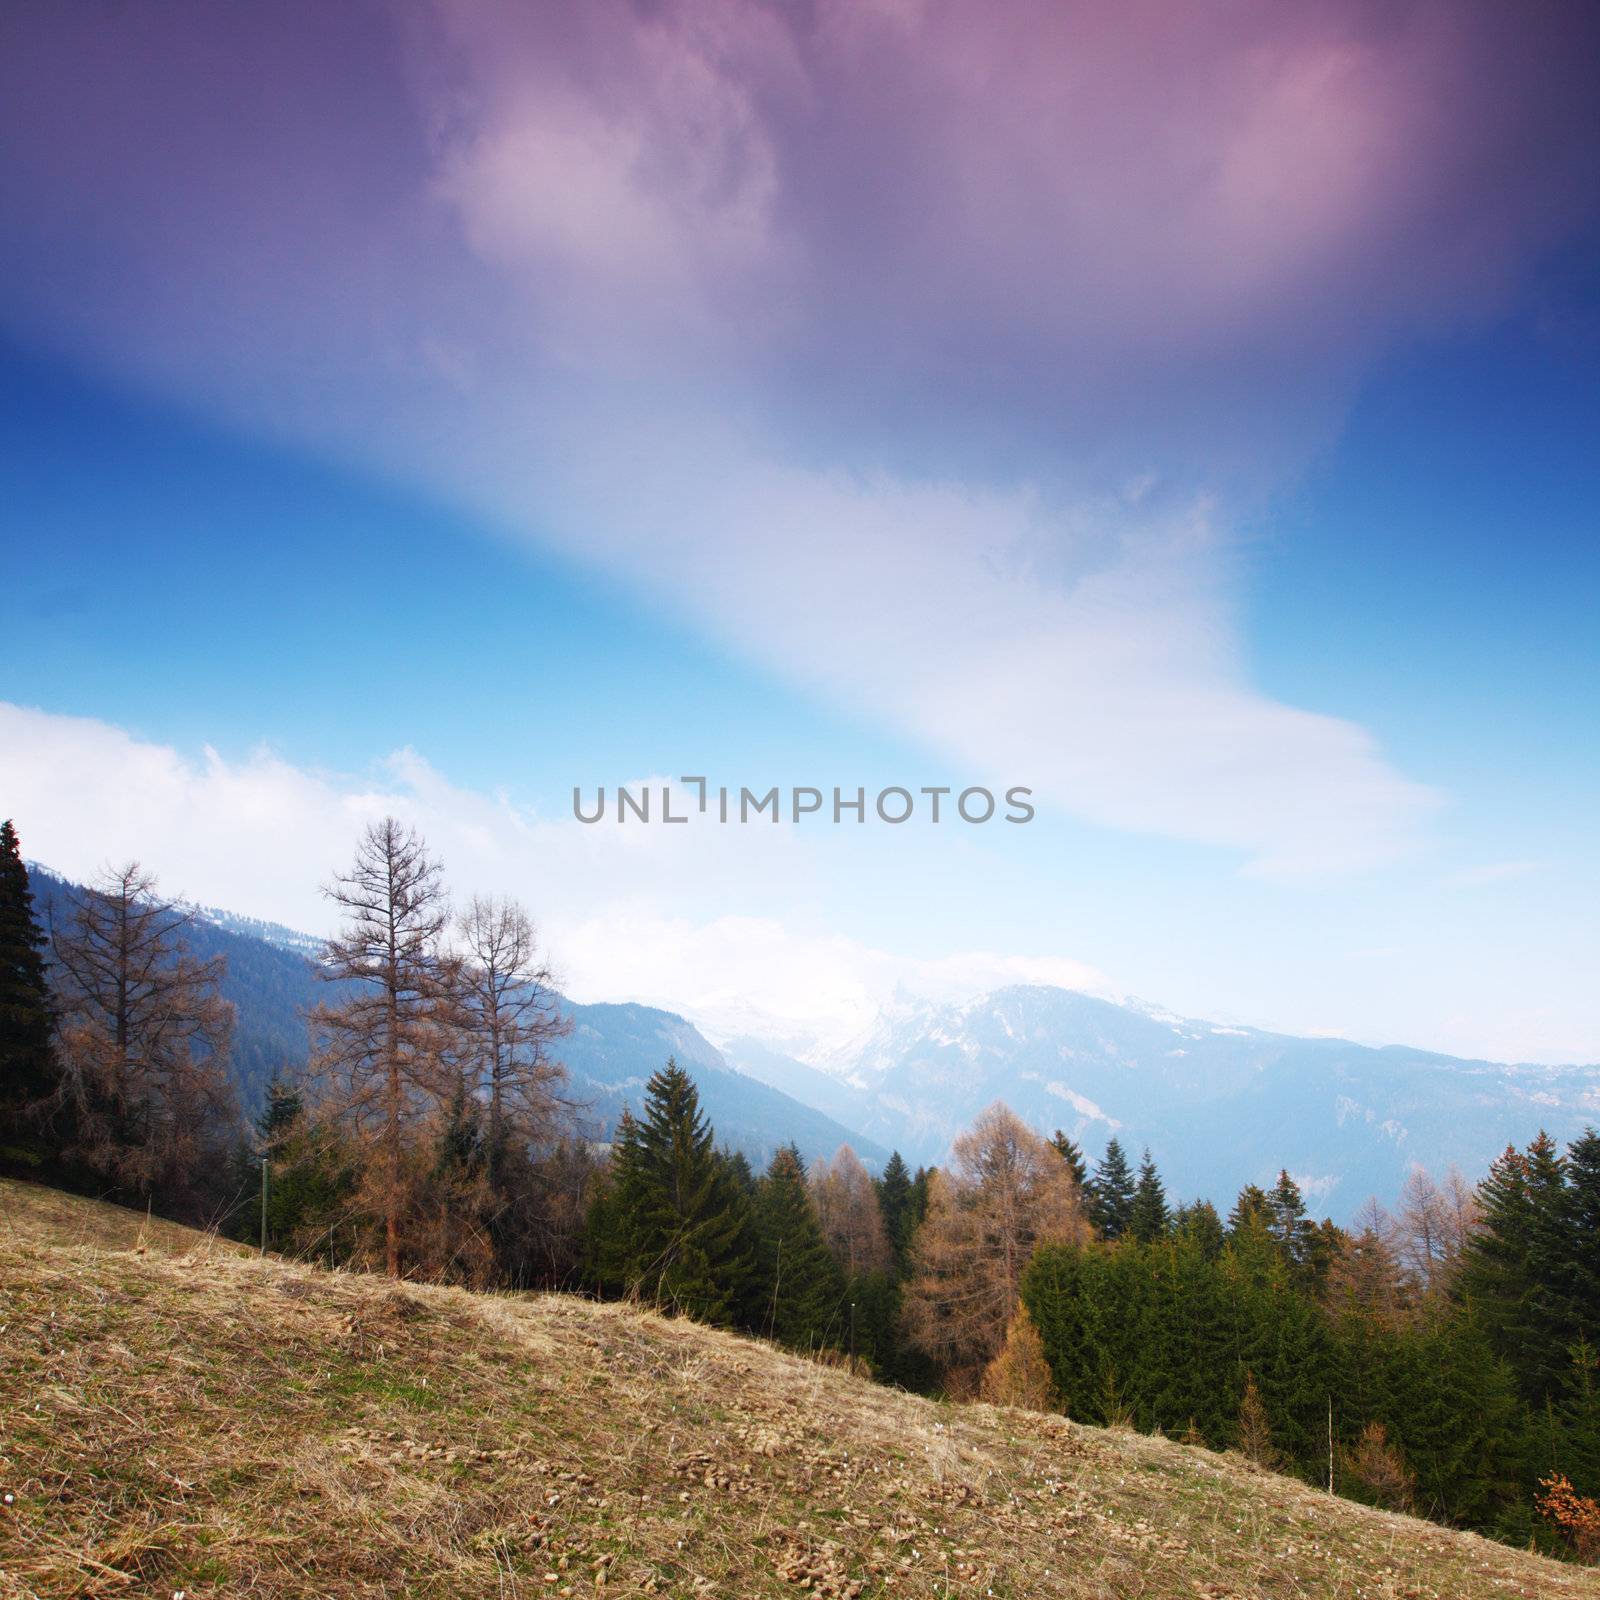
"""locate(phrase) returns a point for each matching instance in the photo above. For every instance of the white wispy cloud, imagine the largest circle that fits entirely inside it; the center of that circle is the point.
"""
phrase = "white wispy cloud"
(260, 835)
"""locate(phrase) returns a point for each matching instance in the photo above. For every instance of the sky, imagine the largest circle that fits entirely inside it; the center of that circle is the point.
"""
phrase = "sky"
(1186, 413)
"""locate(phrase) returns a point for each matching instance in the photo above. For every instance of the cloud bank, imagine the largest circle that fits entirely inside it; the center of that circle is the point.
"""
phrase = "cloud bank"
(260, 835)
(928, 353)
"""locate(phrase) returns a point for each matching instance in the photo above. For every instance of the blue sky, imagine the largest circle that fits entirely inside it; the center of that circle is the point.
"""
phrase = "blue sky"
(542, 461)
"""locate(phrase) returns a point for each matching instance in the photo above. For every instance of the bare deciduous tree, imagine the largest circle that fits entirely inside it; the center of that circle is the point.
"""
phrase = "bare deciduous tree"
(847, 1207)
(1432, 1227)
(511, 1014)
(1006, 1192)
(383, 1050)
(144, 1036)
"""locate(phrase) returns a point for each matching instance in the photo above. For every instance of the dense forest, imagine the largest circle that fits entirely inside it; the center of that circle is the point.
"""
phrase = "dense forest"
(1443, 1360)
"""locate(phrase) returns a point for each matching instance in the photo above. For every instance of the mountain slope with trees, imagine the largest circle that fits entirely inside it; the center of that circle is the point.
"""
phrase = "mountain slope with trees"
(1220, 1103)
(177, 1415)
(609, 1050)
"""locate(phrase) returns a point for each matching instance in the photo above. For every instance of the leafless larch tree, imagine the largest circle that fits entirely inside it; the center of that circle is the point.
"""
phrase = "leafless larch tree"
(384, 1049)
(511, 1015)
(144, 1037)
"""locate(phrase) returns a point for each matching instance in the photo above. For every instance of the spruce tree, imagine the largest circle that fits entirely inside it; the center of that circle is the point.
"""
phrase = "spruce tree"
(1148, 1218)
(27, 1070)
(1251, 1209)
(675, 1226)
(1518, 1271)
(1201, 1226)
(895, 1202)
(1072, 1154)
(1583, 1229)
(312, 1176)
(1577, 1417)
(804, 1287)
(1111, 1192)
(1286, 1218)
(917, 1208)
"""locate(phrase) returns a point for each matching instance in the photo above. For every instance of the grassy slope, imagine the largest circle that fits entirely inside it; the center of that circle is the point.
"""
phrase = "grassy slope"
(178, 1415)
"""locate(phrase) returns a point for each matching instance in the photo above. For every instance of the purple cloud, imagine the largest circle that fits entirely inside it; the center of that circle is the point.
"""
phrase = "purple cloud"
(954, 328)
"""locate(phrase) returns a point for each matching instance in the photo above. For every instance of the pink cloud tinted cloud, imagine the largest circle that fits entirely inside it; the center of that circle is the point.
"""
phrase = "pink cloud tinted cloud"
(1053, 211)
(991, 311)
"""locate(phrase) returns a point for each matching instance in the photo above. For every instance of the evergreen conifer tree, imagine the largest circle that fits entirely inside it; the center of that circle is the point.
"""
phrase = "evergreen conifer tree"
(1111, 1192)
(1251, 1209)
(1200, 1224)
(1291, 1229)
(1072, 1154)
(675, 1225)
(1583, 1230)
(1518, 1272)
(312, 1175)
(1578, 1421)
(1148, 1218)
(895, 1202)
(802, 1281)
(27, 1070)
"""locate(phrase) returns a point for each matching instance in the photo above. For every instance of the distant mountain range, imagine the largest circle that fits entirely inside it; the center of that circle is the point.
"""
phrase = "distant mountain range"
(1218, 1106)
(272, 981)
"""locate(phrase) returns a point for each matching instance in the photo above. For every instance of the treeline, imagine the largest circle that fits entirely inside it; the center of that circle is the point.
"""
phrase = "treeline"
(1444, 1360)
(814, 1259)
(1441, 1360)
(428, 1136)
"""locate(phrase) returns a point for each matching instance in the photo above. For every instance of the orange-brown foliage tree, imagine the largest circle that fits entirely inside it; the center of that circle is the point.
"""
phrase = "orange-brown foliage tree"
(1005, 1192)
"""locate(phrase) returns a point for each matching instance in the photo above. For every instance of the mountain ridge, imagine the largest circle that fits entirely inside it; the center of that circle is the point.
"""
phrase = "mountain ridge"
(1185, 1086)
(611, 1051)
(1219, 1104)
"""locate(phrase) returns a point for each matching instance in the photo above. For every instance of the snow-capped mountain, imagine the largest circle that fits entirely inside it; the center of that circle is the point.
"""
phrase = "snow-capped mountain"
(273, 933)
(1218, 1105)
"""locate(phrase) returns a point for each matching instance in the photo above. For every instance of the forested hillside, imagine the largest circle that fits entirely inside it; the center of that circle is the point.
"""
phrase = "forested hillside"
(177, 1417)
(1440, 1359)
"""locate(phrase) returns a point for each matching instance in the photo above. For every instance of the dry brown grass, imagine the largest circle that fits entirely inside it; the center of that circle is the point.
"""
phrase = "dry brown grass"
(181, 1417)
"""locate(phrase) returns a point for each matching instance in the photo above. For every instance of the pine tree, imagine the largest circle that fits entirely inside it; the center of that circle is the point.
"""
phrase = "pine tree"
(1072, 1154)
(675, 1226)
(895, 1201)
(1517, 1273)
(1148, 1218)
(1110, 1194)
(27, 1067)
(804, 1287)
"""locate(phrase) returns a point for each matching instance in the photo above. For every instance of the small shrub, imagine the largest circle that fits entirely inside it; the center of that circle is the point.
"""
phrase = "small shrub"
(1254, 1437)
(1020, 1374)
(1376, 1470)
(1575, 1516)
